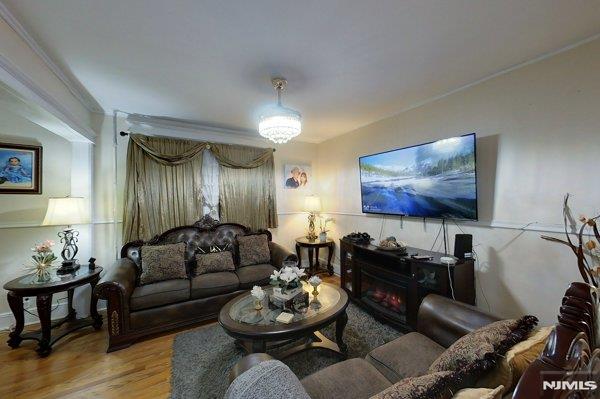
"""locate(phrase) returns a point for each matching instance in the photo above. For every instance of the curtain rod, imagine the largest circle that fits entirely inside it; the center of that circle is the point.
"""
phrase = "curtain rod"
(123, 134)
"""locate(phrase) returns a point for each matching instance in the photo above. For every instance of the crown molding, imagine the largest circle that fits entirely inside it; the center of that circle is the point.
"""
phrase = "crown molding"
(196, 129)
(26, 87)
(75, 88)
(184, 124)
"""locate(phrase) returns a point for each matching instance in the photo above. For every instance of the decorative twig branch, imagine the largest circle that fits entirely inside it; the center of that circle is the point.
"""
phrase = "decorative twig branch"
(585, 269)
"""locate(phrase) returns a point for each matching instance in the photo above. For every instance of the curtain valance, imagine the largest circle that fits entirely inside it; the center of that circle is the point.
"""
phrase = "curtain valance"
(193, 148)
(163, 187)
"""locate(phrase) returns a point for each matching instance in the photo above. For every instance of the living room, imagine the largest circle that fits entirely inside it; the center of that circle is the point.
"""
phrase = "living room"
(389, 177)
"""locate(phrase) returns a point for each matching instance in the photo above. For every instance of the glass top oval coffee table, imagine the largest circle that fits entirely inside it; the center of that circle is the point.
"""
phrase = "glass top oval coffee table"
(258, 330)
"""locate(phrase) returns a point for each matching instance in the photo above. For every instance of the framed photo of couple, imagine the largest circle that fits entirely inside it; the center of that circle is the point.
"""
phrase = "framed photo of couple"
(297, 177)
(20, 169)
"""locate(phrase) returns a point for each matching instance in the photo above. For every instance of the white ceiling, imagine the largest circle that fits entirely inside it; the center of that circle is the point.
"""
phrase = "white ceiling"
(348, 62)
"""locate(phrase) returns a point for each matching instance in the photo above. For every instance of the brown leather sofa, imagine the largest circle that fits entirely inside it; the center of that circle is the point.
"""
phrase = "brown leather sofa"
(135, 311)
(441, 321)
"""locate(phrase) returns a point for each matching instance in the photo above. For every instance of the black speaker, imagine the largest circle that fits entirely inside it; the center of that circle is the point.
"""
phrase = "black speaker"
(463, 246)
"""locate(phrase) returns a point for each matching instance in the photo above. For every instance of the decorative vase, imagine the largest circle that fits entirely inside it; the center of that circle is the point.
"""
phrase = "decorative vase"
(323, 237)
(258, 304)
(42, 273)
(42, 258)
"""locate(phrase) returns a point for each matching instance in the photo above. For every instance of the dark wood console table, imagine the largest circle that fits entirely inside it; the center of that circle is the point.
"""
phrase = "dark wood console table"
(392, 286)
(313, 248)
(26, 286)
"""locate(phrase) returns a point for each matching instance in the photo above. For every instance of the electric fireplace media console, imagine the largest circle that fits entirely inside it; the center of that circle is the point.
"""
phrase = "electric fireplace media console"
(391, 286)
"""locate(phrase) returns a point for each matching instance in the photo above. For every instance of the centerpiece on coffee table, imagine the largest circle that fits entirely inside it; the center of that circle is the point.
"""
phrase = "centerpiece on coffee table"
(288, 292)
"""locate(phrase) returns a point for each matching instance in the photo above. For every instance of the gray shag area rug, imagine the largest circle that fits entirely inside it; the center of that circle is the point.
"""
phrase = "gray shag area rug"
(202, 358)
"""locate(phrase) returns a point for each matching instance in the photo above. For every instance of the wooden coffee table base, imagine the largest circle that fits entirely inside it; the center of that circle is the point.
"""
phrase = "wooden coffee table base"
(313, 341)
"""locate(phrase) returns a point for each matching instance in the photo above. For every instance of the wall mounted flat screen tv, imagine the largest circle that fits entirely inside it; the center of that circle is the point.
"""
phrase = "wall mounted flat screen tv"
(431, 180)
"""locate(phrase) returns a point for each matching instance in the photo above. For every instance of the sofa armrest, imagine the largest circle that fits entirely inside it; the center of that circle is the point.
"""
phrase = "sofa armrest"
(279, 254)
(265, 379)
(445, 320)
(246, 363)
(116, 287)
(120, 278)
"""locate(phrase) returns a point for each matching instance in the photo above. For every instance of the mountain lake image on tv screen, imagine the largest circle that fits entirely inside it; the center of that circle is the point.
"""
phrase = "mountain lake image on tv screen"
(434, 180)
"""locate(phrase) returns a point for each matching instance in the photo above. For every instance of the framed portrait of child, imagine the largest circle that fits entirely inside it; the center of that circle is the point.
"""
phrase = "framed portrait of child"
(20, 169)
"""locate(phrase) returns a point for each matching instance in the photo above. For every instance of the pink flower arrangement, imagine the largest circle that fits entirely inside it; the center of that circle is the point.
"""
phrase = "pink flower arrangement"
(43, 247)
(42, 259)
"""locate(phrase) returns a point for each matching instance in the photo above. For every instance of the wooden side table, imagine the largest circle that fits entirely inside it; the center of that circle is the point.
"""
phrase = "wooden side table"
(26, 286)
(313, 248)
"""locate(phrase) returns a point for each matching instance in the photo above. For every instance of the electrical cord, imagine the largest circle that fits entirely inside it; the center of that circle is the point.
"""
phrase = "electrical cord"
(436, 238)
(477, 266)
(51, 310)
(450, 280)
(382, 224)
(480, 284)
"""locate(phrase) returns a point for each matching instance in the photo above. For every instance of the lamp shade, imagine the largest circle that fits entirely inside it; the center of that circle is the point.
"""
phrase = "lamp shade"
(312, 203)
(66, 211)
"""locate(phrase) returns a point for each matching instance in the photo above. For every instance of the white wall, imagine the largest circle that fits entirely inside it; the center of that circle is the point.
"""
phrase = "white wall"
(41, 97)
(290, 203)
(538, 133)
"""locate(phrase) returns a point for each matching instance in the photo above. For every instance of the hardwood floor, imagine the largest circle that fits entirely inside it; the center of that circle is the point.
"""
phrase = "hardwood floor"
(79, 367)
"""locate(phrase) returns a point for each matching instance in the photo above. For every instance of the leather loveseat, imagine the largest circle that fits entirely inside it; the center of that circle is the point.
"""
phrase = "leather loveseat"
(135, 311)
(441, 321)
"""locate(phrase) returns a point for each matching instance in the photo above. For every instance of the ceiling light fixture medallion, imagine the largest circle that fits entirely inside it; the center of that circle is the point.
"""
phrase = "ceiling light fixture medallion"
(278, 123)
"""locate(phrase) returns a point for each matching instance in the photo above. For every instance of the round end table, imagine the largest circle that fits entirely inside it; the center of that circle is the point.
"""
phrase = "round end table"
(313, 248)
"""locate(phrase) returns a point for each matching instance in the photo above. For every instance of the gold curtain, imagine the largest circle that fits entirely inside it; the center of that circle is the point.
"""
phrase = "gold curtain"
(246, 185)
(163, 185)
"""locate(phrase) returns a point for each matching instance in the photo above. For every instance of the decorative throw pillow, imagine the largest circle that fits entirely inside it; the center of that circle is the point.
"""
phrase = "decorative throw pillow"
(162, 262)
(254, 249)
(425, 386)
(511, 367)
(214, 262)
(480, 348)
(480, 393)
(213, 248)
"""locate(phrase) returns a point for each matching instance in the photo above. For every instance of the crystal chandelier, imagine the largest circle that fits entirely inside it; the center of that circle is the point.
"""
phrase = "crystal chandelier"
(278, 123)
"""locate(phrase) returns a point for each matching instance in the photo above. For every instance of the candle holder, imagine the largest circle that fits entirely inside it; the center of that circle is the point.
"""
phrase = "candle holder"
(258, 294)
(315, 281)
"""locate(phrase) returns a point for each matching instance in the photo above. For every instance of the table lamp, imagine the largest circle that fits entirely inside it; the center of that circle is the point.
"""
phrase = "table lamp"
(66, 212)
(312, 205)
